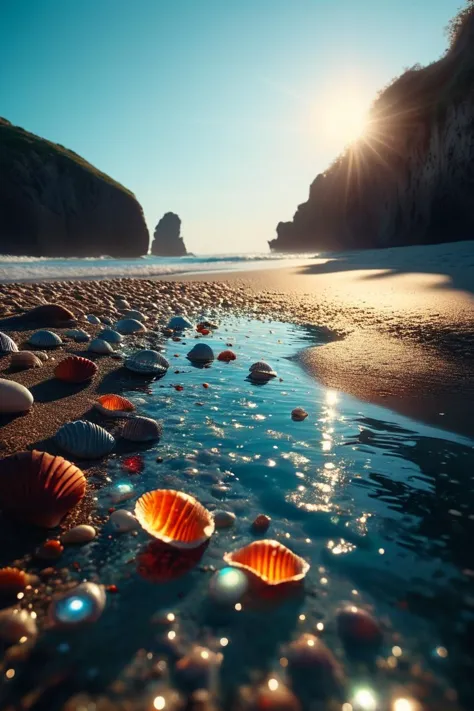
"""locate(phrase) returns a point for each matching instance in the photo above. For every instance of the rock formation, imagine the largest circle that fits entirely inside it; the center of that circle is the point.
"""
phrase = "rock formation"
(410, 180)
(55, 204)
(167, 237)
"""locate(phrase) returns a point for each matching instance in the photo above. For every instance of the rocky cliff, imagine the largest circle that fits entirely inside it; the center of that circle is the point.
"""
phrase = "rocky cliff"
(167, 237)
(53, 203)
(411, 179)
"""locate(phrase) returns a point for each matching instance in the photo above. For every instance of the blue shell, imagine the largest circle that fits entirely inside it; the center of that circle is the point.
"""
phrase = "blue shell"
(45, 339)
(129, 325)
(99, 345)
(201, 353)
(179, 323)
(78, 335)
(7, 344)
(109, 335)
(84, 439)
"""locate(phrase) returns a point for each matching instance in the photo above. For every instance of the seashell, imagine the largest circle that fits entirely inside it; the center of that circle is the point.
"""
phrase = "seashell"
(79, 534)
(114, 406)
(41, 355)
(313, 668)
(80, 605)
(39, 488)
(298, 414)
(7, 344)
(228, 586)
(179, 323)
(357, 627)
(123, 521)
(136, 315)
(269, 561)
(201, 353)
(78, 335)
(98, 345)
(14, 398)
(260, 376)
(121, 302)
(49, 315)
(23, 360)
(226, 356)
(12, 581)
(84, 439)
(109, 335)
(142, 429)
(93, 319)
(198, 669)
(16, 624)
(175, 518)
(261, 523)
(262, 367)
(45, 339)
(224, 519)
(75, 369)
(147, 362)
(129, 325)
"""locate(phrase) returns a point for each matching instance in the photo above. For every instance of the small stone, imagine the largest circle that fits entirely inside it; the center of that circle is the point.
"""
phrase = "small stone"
(261, 523)
(50, 550)
(224, 519)
(299, 414)
(123, 521)
(79, 534)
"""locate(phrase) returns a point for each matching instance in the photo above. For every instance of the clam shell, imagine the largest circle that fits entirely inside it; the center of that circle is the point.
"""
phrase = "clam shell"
(41, 355)
(75, 369)
(109, 335)
(142, 429)
(23, 360)
(85, 440)
(269, 561)
(80, 605)
(123, 521)
(93, 319)
(299, 414)
(78, 335)
(38, 488)
(98, 345)
(16, 624)
(262, 375)
(7, 344)
(175, 518)
(79, 534)
(14, 397)
(179, 323)
(262, 367)
(121, 303)
(136, 315)
(147, 362)
(49, 315)
(201, 353)
(129, 325)
(227, 356)
(12, 581)
(114, 406)
(44, 339)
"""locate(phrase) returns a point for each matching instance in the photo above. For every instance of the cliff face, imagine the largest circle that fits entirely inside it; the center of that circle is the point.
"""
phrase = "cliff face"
(53, 203)
(167, 237)
(411, 180)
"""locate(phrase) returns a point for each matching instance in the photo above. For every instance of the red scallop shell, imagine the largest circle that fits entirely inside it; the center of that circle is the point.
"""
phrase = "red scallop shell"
(75, 369)
(12, 581)
(226, 356)
(269, 561)
(114, 405)
(38, 488)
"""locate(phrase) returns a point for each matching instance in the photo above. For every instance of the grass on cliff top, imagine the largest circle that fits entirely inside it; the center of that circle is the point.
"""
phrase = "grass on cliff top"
(18, 140)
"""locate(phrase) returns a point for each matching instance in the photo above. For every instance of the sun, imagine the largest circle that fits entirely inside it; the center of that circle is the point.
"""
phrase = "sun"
(345, 120)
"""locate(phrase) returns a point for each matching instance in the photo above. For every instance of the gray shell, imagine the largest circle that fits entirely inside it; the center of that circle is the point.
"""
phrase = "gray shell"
(142, 429)
(179, 323)
(262, 367)
(84, 439)
(93, 319)
(98, 345)
(262, 375)
(7, 344)
(78, 335)
(201, 353)
(137, 315)
(109, 335)
(23, 360)
(147, 362)
(45, 339)
(129, 325)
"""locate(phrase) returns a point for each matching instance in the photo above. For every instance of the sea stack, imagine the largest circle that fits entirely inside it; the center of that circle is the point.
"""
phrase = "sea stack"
(167, 237)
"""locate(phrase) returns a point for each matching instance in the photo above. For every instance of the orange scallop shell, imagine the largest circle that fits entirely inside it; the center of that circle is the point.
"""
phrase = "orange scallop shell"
(12, 581)
(227, 356)
(174, 518)
(75, 369)
(114, 405)
(269, 561)
(39, 488)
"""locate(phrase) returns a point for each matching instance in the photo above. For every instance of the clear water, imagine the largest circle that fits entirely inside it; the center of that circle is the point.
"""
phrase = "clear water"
(381, 506)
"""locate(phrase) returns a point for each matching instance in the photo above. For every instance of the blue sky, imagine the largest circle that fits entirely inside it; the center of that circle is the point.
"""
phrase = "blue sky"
(221, 110)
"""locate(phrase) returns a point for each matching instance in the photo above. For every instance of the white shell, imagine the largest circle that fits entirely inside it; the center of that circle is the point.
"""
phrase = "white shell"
(79, 534)
(78, 335)
(137, 315)
(84, 439)
(129, 325)
(82, 604)
(16, 624)
(97, 345)
(201, 353)
(23, 360)
(93, 319)
(179, 323)
(7, 344)
(142, 429)
(223, 519)
(109, 335)
(121, 302)
(14, 397)
(45, 339)
(147, 362)
(123, 521)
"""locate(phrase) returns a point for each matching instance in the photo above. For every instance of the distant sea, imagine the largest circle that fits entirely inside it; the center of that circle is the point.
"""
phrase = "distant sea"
(13, 268)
